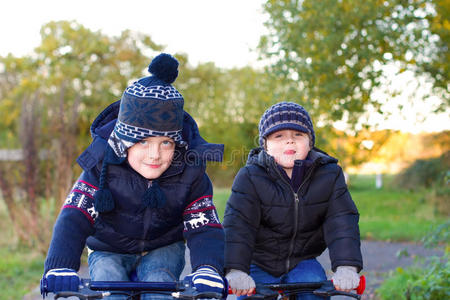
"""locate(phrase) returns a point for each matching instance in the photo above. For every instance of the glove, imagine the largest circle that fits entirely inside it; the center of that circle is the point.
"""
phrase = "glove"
(239, 280)
(57, 280)
(206, 279)
(345, 278)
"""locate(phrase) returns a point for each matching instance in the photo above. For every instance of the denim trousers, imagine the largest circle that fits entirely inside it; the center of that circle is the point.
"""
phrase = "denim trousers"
(160, 265)
(309, 270)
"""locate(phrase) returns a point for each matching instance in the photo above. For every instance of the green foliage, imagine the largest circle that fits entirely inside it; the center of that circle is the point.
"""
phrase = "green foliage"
(331, 53)
(430, 282)
(431, 173)
(438, 56)
(227, 104)
(425, 172)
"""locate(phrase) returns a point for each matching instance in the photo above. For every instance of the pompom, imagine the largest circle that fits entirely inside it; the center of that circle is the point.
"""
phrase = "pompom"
(104, 201)
(154, 197)
(165, 67)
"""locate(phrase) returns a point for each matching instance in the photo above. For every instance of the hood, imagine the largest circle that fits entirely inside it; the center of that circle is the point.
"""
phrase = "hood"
(103, 125)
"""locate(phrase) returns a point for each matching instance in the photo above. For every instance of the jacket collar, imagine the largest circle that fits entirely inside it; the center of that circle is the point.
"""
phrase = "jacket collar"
(258, 156)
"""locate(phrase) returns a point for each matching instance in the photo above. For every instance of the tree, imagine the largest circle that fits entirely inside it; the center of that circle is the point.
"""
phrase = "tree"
(227, 105)
(49, 100)
(436, 60)
(331, 53)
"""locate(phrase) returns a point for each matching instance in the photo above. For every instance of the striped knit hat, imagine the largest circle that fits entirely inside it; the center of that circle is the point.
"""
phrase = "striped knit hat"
(285, 115)
(149, 107)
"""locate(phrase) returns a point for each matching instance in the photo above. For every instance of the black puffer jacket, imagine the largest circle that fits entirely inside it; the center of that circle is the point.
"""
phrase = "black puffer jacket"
(269, 224)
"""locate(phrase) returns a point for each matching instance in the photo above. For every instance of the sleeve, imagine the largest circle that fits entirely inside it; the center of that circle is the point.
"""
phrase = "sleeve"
(241, 222)
(341, 228)
(202, 229)
(73, 225)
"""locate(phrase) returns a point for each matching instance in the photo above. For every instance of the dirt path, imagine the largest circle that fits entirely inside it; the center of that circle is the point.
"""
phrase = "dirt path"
(379, 258)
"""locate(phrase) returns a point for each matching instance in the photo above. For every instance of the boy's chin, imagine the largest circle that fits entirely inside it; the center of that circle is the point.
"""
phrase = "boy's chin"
(150, 175)
(289, 165)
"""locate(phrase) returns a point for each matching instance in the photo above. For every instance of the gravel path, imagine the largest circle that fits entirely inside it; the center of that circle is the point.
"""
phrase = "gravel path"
(379, 258)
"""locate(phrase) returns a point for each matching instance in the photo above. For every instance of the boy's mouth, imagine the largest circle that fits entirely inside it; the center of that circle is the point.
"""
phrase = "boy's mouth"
(153, 166)
(290, 152)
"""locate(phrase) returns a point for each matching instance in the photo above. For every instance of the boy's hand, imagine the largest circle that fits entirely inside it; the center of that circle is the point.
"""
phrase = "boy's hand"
(57, 280)
(206, 279)
(345, 279)
(241, 283)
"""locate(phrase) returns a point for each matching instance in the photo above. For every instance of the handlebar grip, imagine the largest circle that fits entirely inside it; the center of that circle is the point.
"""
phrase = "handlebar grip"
(362, 285)
(230, 292)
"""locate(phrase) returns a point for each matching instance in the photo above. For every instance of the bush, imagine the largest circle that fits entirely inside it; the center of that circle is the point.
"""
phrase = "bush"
(424, 172)
(433, 174)
(441, 194)
(430, 282)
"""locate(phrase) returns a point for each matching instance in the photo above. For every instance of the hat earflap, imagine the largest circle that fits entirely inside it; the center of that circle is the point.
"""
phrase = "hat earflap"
(103, 200)
(153, 196)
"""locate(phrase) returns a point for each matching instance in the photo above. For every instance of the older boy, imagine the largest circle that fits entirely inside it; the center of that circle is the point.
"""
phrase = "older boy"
(138, 197)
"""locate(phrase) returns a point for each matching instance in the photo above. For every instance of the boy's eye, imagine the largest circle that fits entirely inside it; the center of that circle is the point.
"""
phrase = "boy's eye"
(143, 142)
(278, 135)
(167, 143)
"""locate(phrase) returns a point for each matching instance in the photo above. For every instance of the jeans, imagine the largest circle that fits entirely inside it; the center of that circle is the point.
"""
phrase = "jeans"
(308, 270)
(160, 265)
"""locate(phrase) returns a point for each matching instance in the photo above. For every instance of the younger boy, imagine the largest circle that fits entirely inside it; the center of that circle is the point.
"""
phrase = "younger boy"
(288, 204)
(143, 190)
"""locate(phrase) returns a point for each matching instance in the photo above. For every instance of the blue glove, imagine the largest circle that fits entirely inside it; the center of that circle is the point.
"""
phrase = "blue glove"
(206, 279)
(57, 280)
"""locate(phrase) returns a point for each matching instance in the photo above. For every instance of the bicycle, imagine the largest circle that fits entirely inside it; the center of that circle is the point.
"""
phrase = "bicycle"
(183, 290)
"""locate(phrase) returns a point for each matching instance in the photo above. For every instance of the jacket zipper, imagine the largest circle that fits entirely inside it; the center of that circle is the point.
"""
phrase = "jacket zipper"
(297, 201)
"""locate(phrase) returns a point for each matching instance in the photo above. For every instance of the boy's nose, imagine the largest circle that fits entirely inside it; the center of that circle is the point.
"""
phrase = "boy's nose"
(153, 151)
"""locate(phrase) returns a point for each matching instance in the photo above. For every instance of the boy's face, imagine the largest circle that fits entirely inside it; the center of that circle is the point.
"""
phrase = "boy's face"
(151, 156)
(286, 146)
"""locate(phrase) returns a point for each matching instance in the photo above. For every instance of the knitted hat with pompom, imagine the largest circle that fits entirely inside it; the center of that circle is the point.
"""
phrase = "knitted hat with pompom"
(149, 107)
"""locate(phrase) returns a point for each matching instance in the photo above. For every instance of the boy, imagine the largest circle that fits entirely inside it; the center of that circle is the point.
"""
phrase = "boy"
(287, 205)
(139, 197)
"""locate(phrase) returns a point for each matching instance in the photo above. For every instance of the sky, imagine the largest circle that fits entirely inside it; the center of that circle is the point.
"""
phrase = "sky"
(225, 32)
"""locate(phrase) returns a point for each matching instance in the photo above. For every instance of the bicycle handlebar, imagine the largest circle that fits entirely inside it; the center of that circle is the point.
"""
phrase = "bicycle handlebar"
(314, 285)
(321, 288)
(183, 290)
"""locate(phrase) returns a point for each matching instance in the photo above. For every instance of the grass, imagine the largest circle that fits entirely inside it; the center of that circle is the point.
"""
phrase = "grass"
(20, 267)
(391, 213)
(20, 271)
(387, 214)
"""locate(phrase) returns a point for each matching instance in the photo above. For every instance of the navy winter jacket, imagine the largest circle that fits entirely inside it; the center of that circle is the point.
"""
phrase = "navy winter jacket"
(188, 213)
(270, 225)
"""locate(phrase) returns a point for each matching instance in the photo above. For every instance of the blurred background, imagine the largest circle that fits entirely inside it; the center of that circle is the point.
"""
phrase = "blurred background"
(373, 74)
